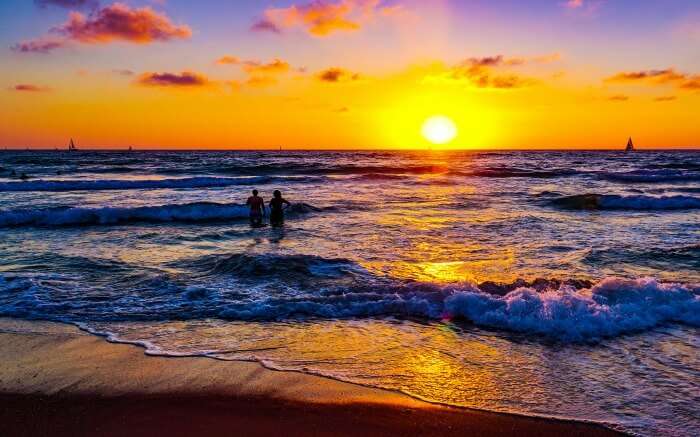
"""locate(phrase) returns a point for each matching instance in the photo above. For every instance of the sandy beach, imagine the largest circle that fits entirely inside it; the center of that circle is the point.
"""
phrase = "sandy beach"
(58, 380)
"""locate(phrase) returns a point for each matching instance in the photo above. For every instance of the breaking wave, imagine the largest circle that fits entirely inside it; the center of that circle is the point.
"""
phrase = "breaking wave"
(513, 172)
(94, 185)
(635, 203)
(191, 212)
(294, 287)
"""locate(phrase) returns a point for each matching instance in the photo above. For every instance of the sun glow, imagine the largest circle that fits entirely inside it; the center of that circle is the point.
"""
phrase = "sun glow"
(439, 129)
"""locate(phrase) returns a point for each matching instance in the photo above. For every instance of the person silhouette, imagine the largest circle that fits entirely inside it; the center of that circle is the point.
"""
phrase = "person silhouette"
(257, 209)
(277, 208)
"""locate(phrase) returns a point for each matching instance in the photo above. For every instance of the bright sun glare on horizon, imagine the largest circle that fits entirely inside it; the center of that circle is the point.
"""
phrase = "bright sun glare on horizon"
(439, 129)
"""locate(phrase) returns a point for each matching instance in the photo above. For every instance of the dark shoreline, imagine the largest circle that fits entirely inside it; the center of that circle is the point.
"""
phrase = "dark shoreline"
(192, 414)
(57, 380)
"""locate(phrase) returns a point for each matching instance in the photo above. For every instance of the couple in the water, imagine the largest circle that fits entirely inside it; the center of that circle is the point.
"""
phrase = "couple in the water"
(257, 209)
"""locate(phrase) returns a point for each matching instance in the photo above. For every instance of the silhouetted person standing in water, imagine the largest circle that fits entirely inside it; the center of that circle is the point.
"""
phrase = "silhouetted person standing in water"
(277, 208)
(257, 209)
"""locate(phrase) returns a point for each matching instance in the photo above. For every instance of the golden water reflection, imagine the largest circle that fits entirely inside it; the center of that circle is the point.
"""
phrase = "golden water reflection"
(434, 361)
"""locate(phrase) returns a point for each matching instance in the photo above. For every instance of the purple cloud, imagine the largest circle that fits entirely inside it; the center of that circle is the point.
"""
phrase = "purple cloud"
(41, 45)
(184, 79)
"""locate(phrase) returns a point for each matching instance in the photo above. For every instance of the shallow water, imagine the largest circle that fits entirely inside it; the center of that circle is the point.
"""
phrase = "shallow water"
(552, 283)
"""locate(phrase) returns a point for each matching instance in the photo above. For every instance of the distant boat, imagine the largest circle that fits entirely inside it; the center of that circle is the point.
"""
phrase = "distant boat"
(131, 149)
(71, 146)
(630, 146)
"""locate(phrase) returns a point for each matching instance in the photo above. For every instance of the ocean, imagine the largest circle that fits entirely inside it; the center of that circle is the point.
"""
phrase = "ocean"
(556, 284)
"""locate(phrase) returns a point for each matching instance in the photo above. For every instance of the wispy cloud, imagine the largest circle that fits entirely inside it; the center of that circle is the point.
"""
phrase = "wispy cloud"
(665, 98)
(619, 98)
(260, 73)
(116, 22)
(228, 60)
(276, 66)
(667, 76)
(490, 72)
(68, 4)
(324, 17)
(335, 75)
(43, 45)
(186, 79)
(30, 88)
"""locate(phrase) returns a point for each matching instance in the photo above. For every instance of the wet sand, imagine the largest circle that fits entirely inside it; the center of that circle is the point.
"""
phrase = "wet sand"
(58, 380)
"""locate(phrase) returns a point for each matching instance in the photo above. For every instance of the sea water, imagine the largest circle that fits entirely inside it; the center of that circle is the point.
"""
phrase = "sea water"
(562, 284)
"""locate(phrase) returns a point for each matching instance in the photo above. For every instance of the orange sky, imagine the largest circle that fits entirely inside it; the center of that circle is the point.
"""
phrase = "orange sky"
(363, 75)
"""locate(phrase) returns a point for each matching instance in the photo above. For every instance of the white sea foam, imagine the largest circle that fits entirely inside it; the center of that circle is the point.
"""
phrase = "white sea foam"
(104, 216)
(635, 202)
(612, 307)
(190, 212)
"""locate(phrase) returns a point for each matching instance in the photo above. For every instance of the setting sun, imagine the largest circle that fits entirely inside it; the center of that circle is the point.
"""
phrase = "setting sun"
(439, 129)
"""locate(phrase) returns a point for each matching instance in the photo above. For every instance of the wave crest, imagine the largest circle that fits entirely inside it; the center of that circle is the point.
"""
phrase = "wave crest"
(190, 212)
(616, 202)
(298, 287)
(97, 185)
(653, 176)
(612, 307)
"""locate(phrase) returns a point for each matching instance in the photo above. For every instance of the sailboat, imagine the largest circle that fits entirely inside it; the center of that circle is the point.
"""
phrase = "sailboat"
(131, 149)
(630, 146)
(71, 146)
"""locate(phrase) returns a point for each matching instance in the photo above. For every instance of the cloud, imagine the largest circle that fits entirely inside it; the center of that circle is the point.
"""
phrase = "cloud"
(68, 4)
(335, 75)
(619, 98)
(24, 87)
(574, 4)
(487, 72)
(186, 79)
(265, 25)
(500, 60)
(324, 17)
(260, 74)
(41, 45)
(692, 84)
(657, 76)
(228, 60)
(251, 66)
(665, 99)
(667, 76)
(117, 22)
(276, 66)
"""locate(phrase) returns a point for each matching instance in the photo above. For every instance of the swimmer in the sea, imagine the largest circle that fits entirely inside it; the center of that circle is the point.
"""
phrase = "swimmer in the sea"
(277, 208)
(257, 209)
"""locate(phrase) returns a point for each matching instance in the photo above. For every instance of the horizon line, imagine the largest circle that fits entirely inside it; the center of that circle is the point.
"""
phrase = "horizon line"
(270, 149)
